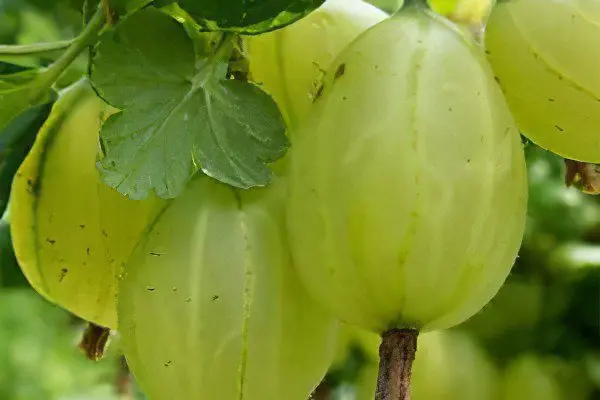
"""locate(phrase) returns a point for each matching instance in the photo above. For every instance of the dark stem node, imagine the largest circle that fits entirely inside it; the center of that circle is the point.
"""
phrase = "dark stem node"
(94, 340)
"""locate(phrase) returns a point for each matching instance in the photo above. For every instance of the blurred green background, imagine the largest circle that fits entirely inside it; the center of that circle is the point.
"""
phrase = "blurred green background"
(538, 339)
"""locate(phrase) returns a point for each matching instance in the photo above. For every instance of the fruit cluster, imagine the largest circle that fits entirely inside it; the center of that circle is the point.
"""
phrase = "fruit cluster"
(400, 207)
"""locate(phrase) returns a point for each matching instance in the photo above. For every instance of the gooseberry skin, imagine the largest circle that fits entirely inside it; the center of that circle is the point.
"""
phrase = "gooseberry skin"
(544, 54)
(408, 185)
(288, 62)
(71, 232)
(211, 307)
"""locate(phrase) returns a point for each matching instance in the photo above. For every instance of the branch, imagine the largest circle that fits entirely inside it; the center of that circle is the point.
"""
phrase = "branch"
(396, 356)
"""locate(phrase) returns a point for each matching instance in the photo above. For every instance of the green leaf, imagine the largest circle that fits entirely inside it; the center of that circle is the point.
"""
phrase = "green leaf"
(248, 17)
(14, 99)
(18, 92)
(125, 7)
(10, 272)
(178, 114)
(16, 140)
(88, 9)
(19, 78)
(9, 68)
(119, 8)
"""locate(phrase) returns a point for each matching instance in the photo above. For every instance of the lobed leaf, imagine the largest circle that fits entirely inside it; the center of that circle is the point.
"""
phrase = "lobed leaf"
(18, 92)
(178, 114)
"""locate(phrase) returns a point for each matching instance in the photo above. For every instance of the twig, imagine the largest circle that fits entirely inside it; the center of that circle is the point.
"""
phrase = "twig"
(34, 49)
(396, 356)
(88, 37)
(582, 175)
(94, 340)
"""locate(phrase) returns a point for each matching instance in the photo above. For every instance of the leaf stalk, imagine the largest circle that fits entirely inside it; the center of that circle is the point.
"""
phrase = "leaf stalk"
(35, 49)
(51, 74)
